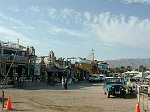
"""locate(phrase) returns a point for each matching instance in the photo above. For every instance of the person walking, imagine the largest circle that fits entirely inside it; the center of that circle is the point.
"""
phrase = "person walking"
(62, 81)
(65, 82)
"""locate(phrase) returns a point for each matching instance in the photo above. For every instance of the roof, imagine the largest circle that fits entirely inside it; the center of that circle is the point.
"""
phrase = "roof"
(141, 75)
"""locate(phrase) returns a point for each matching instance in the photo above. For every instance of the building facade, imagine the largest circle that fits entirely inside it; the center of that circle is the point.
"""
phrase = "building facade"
(103, 67)
(15, 58)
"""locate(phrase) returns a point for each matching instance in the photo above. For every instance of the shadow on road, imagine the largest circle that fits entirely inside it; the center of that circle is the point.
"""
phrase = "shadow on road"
(131, 96)
(58, 86)
(128, 96)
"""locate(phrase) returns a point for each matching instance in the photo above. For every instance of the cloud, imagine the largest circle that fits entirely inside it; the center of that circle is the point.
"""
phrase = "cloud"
(9, 34)
(54, 30)
(68, 15)
(137, 1)
(52, 13)
(115, 29)
(35, 9)
(18, 23)
(14, 9)
(105, 28)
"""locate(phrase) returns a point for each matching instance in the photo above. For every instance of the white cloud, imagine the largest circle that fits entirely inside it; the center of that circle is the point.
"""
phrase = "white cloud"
(9, 34)
(119, 29)
(35, 8)
(52, 13)
(14, 9)
(106, 28)
(138, 1)
(66, 14)
(18, 23)
(87, 16)
(54, 30)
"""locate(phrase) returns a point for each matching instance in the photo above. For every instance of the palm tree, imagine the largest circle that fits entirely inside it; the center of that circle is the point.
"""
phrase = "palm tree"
(142, 68)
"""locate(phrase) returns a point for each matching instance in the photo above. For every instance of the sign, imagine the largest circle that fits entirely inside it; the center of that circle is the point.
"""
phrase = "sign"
(37, 69)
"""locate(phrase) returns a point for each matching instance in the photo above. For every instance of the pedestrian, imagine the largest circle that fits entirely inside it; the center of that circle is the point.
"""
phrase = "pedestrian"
(65, 82)
(62, 81)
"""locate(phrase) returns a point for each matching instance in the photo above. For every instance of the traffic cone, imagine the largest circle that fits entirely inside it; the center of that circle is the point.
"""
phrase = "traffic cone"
(8, 106)
(137, 107)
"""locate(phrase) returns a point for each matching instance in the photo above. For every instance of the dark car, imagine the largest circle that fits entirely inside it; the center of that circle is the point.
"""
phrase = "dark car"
(114, 87)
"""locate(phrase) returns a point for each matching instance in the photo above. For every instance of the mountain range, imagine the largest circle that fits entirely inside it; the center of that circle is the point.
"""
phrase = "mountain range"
(135, 63)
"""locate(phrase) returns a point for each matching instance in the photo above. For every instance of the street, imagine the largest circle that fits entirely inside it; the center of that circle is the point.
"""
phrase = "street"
(80, 97)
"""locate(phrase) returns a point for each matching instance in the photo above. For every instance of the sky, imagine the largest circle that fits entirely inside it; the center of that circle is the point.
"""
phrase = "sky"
(114, 29)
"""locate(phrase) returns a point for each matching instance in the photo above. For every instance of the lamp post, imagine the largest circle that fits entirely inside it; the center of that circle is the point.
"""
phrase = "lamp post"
(14, 56)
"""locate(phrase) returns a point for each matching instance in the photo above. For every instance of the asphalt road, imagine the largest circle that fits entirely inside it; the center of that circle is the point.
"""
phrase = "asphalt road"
(80, 97)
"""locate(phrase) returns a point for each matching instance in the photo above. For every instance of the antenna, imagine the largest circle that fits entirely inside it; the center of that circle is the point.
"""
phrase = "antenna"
(18, 41)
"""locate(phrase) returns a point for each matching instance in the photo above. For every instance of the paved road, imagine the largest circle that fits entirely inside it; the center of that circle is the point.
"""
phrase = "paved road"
(80, 97)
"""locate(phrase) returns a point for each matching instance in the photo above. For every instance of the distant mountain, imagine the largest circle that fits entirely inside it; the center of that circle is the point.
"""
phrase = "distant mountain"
(135, 63)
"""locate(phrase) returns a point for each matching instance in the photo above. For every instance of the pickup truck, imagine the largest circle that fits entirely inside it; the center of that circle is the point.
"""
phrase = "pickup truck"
(114, 86)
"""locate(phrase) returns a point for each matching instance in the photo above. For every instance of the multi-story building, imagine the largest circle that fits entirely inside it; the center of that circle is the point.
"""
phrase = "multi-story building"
(104, 67)
(15, 58)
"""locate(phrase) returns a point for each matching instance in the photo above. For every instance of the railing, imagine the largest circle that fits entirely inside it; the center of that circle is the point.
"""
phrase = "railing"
(12, 45)
(9, 58)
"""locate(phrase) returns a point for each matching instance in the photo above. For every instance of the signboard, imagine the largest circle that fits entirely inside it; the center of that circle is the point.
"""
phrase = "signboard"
(37, 69)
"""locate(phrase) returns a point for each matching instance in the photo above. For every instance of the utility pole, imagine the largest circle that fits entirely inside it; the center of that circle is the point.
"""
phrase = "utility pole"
(93, 55)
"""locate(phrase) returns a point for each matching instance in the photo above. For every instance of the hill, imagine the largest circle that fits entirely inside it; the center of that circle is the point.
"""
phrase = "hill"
(135, 63)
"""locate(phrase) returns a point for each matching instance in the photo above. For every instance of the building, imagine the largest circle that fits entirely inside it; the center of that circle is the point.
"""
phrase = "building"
(15, 58)
(103, 67)
(50, 68)
(81, 66)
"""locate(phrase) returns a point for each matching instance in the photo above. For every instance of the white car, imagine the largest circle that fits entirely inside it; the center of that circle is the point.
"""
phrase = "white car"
(94, 78)
(102, 77)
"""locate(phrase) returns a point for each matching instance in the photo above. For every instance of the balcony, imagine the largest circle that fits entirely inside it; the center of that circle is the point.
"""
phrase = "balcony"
(9, 58)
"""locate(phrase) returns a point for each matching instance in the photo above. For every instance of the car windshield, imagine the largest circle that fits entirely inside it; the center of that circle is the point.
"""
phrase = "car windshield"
(113, 82)
(94, 76)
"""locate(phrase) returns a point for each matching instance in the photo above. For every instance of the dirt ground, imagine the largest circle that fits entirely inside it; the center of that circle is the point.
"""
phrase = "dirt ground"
(80, 97)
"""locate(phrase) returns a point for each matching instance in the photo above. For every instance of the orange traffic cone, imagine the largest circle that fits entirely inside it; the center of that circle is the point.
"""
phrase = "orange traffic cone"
(137, 107)
(8, 106)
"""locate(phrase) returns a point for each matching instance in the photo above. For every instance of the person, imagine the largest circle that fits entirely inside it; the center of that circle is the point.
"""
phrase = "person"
(62, 82)
(65, 82)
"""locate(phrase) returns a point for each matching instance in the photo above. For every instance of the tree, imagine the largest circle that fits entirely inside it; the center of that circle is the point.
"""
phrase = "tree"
(142, 68)
(122, 69)
(129, 68)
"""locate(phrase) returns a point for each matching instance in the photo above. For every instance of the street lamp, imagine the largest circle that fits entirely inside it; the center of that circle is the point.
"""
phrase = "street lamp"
(14, 56)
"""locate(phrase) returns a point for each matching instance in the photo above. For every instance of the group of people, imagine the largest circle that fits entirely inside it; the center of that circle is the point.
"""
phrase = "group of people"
(64, 82)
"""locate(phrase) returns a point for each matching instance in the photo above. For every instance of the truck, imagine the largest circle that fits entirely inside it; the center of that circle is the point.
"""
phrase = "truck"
(114, 86)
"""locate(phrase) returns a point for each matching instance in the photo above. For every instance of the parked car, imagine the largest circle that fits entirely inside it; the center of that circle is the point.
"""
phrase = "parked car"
(114, 86)
(102, 77)
(94, 78)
